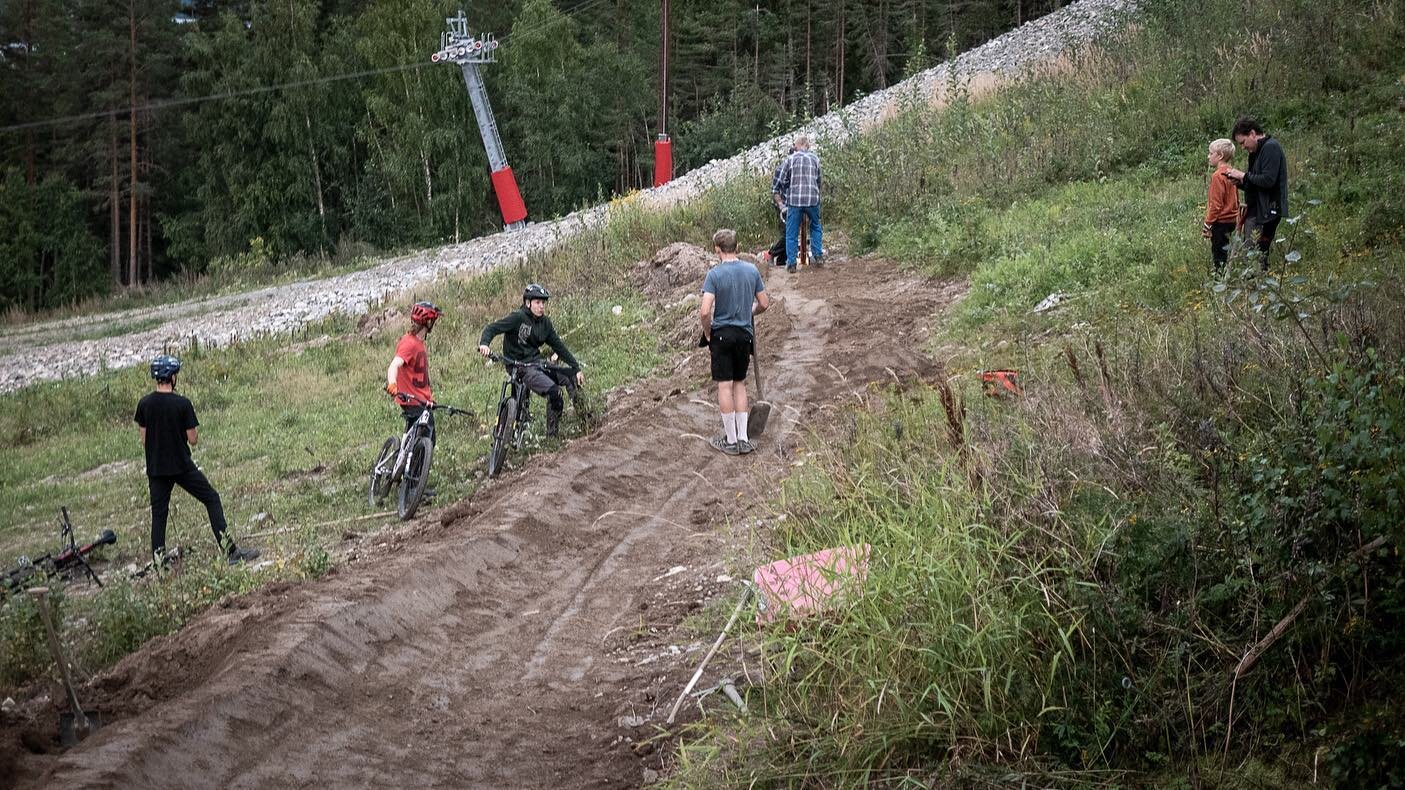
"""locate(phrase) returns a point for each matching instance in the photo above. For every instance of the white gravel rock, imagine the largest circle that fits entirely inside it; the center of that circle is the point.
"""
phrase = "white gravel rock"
(25, 357)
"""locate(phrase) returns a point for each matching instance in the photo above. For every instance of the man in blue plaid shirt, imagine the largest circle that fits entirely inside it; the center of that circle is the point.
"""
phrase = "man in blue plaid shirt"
(796, 189)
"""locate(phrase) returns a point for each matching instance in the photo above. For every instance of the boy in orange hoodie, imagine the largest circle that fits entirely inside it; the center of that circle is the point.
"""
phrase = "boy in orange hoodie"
(1222, 206)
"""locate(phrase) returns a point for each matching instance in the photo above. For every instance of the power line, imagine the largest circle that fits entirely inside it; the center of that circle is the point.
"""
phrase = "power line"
(193, 100)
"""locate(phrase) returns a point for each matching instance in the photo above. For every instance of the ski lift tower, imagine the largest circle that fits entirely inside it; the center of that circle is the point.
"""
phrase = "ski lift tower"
(457, 45)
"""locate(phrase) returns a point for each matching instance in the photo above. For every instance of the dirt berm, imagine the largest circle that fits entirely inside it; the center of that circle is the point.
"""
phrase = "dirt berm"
(527, 637)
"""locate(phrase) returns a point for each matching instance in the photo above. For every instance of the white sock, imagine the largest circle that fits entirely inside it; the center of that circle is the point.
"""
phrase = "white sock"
(729, 426)
(741, 426)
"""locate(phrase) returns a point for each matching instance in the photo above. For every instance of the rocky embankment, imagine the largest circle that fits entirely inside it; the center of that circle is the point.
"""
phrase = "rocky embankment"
(26, 357)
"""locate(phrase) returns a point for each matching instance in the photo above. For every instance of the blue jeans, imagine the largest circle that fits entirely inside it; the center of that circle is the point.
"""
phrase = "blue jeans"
(792, 233)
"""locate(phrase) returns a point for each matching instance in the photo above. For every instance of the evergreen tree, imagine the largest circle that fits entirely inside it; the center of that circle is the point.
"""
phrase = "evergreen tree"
(47, 255)
(425, 169)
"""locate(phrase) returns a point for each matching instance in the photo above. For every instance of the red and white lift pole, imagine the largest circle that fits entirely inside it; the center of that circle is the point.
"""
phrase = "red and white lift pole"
(457, 45)
(663, 146)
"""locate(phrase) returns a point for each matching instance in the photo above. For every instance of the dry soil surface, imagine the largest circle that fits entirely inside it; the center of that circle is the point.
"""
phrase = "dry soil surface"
(532, 636)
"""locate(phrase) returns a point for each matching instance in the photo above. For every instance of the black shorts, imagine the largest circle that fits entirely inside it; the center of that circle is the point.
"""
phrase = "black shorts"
(731, 351)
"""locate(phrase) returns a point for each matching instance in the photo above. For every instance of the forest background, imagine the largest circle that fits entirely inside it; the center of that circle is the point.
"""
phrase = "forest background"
(158, 140)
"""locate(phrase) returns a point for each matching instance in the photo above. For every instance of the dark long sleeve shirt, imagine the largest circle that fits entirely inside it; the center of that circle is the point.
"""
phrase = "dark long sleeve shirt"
(523, 336)
(1265, 182)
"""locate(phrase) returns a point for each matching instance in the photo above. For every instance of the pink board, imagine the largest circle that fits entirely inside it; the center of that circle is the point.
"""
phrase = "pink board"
(806, 584)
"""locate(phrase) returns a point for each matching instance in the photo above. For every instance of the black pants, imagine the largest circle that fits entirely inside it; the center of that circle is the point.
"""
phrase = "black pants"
(196, 485)
(412, 413)
(778, 249)
(1221, 234)
(1261, 234)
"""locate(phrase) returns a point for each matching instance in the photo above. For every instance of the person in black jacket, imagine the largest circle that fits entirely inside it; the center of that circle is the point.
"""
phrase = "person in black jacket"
(524, 332)
(168, 429)
(1265, 184)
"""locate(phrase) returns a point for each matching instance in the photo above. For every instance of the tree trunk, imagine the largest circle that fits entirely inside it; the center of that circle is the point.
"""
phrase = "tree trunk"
(30, 170)
(839, 45)
(428, 182)
(115, 199)
(808, 82)
(133, 272)
(146, 232)
(756, 46)
(316, 177)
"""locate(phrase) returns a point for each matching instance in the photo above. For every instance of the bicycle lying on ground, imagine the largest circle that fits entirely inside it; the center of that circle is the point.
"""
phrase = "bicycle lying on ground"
(514, 406)
(406, 460)
(70, 559)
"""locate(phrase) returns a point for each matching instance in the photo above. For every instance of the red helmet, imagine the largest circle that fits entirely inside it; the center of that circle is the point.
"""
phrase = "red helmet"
(424, 313)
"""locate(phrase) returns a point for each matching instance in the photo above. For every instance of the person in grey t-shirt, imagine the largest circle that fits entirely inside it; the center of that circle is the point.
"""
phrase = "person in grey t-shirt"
(729, 291)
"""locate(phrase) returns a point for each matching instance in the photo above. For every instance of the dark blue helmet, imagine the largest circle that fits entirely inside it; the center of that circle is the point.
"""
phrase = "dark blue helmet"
(164, 367)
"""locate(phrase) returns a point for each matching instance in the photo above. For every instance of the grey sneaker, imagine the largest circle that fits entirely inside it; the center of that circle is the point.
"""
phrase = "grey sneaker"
(721, 443)
(745, 446)
(237, 556)
(817, 261)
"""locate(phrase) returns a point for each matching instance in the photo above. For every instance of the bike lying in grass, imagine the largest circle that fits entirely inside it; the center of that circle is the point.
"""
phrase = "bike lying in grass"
(71, 559)
(514, 406)
(406, 460)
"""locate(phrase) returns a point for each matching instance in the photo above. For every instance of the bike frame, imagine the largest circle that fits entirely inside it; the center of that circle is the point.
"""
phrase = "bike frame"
(419, 428)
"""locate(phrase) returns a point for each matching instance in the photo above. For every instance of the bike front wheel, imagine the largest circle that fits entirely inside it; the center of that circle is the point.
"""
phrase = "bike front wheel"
(416, 475)
(502, 435)
(381, 472)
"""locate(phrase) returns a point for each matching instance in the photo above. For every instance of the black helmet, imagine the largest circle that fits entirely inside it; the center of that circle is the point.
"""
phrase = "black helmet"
(164, 367)
(535, 291)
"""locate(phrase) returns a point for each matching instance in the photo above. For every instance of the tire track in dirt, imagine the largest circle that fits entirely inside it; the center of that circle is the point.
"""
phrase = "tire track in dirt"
(491, 649)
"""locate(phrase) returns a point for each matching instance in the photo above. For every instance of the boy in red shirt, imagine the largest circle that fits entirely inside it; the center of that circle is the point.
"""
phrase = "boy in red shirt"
(1222, 205)
(407, 378)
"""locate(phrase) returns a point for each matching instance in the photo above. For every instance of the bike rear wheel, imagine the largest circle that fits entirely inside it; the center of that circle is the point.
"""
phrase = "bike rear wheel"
(502, 435)
(416, 475)
(381, 473)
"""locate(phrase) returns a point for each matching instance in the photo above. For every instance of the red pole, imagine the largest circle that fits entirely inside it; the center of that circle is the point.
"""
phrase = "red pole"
(663, 146)
(509, 199)
(663, 160)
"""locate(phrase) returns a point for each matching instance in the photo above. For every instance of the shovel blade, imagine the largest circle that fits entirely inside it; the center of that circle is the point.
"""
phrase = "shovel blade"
(756, 421)
(72, 731)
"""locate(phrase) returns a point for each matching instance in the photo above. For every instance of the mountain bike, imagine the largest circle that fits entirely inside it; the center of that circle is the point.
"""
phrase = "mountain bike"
(514, 412)
(406, 460)
(70, 559)
(514, 406)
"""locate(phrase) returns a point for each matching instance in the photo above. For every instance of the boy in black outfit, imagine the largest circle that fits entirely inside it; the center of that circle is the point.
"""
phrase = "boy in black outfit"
(168, 431)
(524, 332)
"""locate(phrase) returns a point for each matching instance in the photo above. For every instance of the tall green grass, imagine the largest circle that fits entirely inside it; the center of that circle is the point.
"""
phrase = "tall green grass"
(1062, 589)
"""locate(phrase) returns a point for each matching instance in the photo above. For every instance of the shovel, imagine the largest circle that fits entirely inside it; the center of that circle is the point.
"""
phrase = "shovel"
(761, 409)
(76, 725)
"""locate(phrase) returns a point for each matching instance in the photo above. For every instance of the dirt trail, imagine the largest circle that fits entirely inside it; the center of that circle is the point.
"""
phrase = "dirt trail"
(502, 643)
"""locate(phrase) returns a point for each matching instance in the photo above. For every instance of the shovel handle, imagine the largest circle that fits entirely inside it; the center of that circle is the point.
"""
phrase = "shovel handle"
(756, 363)
(41, 594)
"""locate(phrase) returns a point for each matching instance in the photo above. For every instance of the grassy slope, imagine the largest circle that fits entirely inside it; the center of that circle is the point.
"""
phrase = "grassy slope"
(289, 427)
(1062, 591)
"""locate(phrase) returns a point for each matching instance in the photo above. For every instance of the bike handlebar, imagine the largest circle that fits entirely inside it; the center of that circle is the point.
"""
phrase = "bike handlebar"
(536, 363)
(404, 396)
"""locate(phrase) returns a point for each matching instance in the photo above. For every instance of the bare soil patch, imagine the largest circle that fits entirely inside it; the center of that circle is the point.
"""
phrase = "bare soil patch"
(531, 636)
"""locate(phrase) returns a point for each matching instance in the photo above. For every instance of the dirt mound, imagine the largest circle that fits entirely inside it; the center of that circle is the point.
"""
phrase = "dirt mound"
(672, 272)
(530, 637)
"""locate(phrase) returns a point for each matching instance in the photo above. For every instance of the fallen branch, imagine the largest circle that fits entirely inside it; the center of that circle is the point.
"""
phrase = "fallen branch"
(1252, 656)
